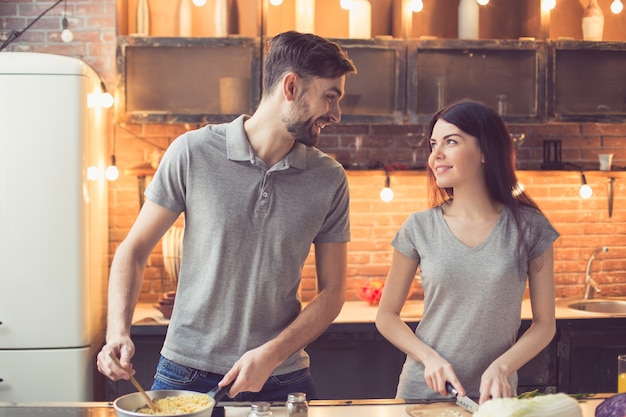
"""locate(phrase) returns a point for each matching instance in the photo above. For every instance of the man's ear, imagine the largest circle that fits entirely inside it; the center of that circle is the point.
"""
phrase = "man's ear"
(290, 81)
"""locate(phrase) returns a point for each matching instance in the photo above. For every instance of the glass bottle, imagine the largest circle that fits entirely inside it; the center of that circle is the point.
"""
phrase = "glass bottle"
(296, 405)
(593, 22)
(468, 19)
(260, 409)
(143, 18)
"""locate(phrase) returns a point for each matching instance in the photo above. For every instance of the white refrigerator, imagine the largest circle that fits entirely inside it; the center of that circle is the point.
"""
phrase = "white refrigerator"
(53, 227)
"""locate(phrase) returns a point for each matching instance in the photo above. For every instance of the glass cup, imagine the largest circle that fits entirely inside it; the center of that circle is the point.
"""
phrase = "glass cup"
(621, 373)
(606, 160)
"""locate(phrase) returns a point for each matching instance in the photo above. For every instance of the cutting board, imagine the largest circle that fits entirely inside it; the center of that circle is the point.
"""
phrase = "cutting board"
(436, 410)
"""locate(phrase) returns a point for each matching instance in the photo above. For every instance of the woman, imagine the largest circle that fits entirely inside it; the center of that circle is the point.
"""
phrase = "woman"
(475, 250)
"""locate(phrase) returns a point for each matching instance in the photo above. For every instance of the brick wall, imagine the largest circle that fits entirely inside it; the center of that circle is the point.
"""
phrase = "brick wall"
(584, 224)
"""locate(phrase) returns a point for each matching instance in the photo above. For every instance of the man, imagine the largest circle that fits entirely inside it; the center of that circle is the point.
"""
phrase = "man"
(255, 194)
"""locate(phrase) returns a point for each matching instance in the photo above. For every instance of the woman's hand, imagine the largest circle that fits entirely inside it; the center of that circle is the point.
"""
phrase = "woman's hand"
(494, 384)
(437, 371)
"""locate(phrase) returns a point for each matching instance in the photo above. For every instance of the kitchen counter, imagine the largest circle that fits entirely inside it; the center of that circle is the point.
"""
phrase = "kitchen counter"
(358, 312)
(382, 408)
(579, 359)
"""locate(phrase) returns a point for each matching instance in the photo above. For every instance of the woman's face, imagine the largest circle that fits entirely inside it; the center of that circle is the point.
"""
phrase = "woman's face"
(455, 156)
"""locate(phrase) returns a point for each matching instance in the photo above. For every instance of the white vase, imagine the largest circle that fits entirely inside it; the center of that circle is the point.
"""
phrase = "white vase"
(305, 16)
(184, 19)
(360, 19)
(593, 22)
(221, 18)
(143, 18)
(468, 19)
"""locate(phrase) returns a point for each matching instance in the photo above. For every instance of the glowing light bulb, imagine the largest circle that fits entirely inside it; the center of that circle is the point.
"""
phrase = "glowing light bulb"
(276, 2)
(547, 5)
(416, 6)
(585, 191)
(93, 173)
(386, 194)
(345, 4)
(199, 3)
(66, 35)
(106, 100)
(483, 2)
(111, 173)
(617, 6)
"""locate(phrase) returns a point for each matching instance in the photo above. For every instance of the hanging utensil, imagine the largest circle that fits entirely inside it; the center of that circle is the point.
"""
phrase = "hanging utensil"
(611, 195)
(135, 383)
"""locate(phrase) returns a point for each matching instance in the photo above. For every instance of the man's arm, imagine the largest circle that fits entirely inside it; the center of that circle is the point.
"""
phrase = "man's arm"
(125, 281)
(255, 366)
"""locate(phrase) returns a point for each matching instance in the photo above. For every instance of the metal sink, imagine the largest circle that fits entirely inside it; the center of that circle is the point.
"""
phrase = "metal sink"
(606, 306)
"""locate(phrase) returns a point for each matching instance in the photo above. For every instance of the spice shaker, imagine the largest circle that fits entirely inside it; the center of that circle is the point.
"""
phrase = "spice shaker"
(297, 405)
(260, 409)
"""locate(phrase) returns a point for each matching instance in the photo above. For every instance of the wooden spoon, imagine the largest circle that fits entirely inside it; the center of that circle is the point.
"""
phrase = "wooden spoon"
(135, 383)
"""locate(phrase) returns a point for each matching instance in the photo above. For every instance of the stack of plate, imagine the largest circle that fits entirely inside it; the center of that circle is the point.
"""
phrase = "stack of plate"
(172, 252)
(166, 304)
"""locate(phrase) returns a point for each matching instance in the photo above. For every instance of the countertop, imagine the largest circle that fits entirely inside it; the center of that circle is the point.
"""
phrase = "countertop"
(361, 312)
(375, 408)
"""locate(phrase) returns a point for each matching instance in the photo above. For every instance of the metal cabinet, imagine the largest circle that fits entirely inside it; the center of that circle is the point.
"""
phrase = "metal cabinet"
(354, 361)
(187, 80)
(587, 81)
(508, 75)
(376, 94)
(588, 352)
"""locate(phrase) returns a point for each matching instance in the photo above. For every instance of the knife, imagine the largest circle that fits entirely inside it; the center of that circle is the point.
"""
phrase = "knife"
(462, 400)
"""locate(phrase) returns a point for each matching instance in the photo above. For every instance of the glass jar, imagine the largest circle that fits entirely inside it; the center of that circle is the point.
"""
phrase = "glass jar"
(260, 409)
(297, 405)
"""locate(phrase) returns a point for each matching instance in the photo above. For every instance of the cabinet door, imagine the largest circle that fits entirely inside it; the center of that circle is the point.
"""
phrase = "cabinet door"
(587, 81)
(588, 359)
(355, 364)
(188, 80)
(47, 375)
(508, 76)
(376, 94)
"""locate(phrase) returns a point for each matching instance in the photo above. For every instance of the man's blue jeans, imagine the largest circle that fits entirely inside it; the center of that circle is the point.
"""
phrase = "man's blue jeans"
(170, 375)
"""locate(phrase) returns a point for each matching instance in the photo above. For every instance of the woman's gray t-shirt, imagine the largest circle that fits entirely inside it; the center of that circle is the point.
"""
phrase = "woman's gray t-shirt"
(472, 295)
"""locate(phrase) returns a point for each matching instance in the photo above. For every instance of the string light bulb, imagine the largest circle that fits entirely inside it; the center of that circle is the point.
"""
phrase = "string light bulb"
(345, 4)
(416, 6)
(386, 194)
(111, 173)
(585, 190)
(617, 6)
(66, 35)
(483, 2)
(548, 5)
(199, 3)
(276, 2)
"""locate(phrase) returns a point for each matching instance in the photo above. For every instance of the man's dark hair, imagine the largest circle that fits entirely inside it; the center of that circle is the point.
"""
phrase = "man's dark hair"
(307, 55)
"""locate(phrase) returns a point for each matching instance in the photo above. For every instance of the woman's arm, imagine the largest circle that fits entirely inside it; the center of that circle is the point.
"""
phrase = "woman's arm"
(437, 370)
(541, 285)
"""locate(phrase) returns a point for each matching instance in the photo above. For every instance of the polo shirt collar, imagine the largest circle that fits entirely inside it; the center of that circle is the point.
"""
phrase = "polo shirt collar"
(239, 149)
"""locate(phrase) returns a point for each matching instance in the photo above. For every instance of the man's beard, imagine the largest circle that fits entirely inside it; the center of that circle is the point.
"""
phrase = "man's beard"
(305, 131)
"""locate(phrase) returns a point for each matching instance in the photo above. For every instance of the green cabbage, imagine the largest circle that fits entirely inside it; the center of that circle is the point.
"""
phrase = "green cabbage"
(549, 405)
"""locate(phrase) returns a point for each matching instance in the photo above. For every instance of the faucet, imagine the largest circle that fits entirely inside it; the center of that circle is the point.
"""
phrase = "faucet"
(592, 287)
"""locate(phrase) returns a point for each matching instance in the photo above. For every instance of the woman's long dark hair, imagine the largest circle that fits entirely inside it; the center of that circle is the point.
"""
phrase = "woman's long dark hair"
(495, 143)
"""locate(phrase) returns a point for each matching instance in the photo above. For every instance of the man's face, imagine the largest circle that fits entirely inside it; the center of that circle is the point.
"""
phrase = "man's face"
(314, 107)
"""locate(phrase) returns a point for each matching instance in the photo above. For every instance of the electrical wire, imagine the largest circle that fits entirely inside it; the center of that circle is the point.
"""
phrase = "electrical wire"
(14, 34)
